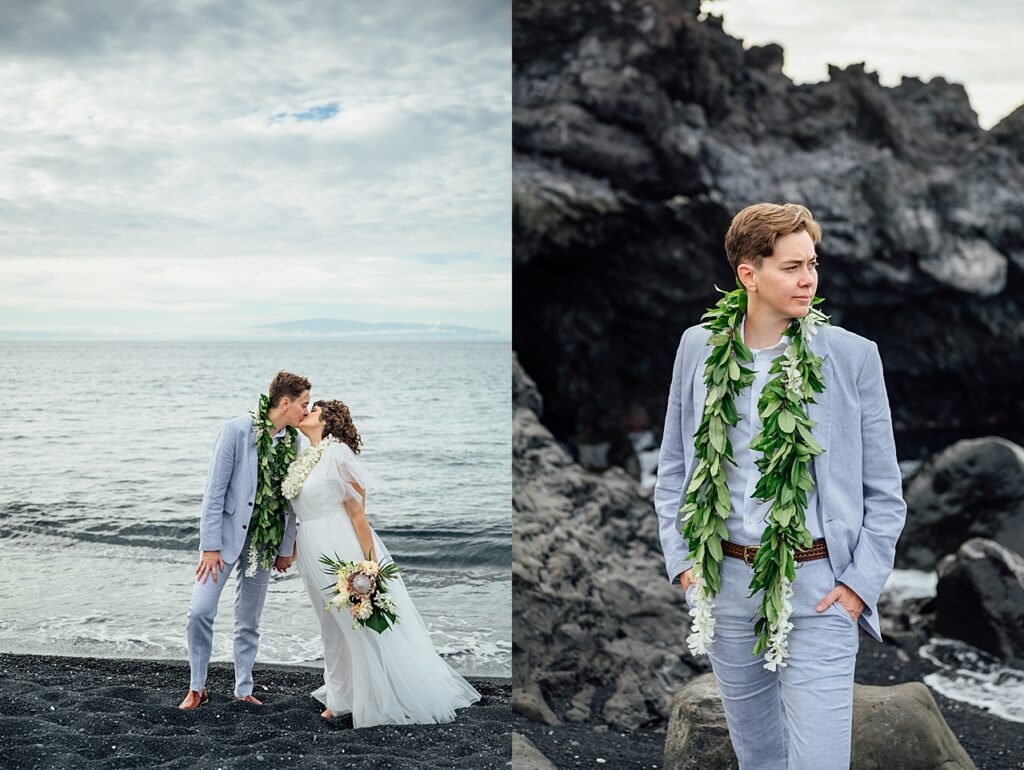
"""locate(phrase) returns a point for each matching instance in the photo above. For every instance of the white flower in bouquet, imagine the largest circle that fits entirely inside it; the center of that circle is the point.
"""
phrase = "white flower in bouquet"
(369, 566)
(361, 583)
(362, 610)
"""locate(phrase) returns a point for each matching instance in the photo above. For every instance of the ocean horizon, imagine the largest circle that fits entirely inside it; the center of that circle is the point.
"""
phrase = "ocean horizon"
(106, 462)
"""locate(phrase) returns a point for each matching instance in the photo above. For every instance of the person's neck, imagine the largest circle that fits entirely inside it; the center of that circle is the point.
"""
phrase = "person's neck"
(313, 434)
(763, 327)
(276, 416)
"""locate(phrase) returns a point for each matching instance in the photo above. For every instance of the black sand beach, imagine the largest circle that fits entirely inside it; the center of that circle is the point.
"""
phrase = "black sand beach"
(993, 743)
(58, 712)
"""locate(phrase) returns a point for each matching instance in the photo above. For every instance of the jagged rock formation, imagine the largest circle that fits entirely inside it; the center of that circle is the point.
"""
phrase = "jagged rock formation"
(640, 129)
(598, 632)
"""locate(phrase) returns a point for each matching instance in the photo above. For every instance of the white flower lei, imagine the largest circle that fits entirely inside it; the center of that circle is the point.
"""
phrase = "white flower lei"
(303, 465)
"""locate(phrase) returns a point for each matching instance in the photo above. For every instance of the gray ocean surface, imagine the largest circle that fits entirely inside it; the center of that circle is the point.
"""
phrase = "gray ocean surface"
(105, 448)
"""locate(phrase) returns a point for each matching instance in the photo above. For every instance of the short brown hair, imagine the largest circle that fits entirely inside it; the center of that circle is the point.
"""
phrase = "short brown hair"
(337, 420)
(287, 384)
(753, 231)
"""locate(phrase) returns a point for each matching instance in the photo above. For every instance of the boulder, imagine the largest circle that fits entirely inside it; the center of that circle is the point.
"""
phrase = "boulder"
(898, 726)
(973, 488)
(526, 756)
(698, 736)
(980, 599)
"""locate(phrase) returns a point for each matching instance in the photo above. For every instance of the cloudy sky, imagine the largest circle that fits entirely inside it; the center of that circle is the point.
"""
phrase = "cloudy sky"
(189, 168)
(976, 43)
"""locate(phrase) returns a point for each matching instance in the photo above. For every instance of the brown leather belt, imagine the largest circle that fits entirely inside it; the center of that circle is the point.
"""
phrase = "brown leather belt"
(747, 552)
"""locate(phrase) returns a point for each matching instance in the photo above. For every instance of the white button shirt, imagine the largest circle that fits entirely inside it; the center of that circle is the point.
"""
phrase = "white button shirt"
(748, 516)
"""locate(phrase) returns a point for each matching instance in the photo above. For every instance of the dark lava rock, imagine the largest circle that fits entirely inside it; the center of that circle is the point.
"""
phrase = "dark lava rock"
(980, 598)
(598, 632)
(640, 129)
(974, 488)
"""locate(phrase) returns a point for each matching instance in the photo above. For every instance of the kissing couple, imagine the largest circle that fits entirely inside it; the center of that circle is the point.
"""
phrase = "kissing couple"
(275, 498)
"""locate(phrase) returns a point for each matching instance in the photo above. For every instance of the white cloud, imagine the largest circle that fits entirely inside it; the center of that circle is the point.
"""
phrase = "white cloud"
(135, 132)
(235, 294)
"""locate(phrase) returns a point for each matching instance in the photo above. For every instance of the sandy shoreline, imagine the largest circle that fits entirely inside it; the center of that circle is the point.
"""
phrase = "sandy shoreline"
(58, 712)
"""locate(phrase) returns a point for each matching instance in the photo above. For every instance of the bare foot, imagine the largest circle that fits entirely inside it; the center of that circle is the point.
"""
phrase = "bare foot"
(327, 714)
(194, 700)
(250, 699)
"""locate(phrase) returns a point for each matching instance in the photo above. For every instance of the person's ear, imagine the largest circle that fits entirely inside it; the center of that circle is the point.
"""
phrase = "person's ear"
(748, 276)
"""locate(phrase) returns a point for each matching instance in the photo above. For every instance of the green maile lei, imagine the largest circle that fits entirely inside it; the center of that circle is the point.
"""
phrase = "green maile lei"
(266, 527)
(787, 448)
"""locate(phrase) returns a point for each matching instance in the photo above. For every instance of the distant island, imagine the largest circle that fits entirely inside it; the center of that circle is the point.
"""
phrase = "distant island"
(336, 328)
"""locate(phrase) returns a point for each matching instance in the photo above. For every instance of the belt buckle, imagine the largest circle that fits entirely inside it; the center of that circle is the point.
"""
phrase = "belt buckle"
(749, 551)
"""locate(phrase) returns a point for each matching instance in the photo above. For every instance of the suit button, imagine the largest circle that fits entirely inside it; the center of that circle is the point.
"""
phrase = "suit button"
(244, 526)
(250, 505)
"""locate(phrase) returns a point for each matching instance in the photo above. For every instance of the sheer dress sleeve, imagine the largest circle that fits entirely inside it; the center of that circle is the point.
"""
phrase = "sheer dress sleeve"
(350, 473)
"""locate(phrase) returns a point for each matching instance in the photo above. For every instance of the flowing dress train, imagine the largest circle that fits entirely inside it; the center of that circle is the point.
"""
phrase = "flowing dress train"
(392, 678)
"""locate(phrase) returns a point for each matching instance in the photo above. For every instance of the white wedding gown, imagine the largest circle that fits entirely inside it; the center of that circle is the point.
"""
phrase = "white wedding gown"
(392, 678)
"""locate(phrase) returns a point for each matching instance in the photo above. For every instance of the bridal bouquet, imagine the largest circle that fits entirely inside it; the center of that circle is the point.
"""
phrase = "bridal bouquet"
(361, 587)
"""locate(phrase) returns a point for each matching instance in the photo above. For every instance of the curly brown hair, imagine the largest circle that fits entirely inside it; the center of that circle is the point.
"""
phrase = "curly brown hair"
(338, 422)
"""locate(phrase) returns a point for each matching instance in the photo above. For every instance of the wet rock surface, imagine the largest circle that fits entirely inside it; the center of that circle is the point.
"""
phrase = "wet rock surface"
(980, 599)
(974, 488)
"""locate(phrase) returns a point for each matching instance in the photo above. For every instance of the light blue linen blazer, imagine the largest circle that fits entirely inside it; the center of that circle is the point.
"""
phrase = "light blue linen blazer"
(860, 491)
(231, 492)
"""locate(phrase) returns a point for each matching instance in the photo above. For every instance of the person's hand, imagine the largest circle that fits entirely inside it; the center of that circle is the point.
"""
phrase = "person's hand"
(210, 563)
(685, 578)
(847, 599)
(282, 563)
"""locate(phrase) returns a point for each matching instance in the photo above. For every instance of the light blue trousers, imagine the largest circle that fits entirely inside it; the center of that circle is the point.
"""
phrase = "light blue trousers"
(798, 717)
(250, 594)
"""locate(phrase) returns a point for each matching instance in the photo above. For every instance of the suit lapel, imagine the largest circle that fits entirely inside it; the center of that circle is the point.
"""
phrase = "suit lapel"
(821, 413)
(253, 457)
(700, 390)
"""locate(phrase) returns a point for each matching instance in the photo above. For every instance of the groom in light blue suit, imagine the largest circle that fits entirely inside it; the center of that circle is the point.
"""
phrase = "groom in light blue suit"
(799, 716)
(223, 539)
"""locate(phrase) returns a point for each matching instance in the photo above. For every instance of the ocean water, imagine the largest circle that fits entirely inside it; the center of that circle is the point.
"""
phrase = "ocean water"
(963, 672)
(105, 450)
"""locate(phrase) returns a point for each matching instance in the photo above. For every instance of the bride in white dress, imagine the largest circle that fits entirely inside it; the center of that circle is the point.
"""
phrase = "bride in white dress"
(392, 678)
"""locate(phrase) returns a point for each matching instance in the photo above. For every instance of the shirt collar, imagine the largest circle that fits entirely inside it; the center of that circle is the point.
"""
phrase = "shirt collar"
(743, 331)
